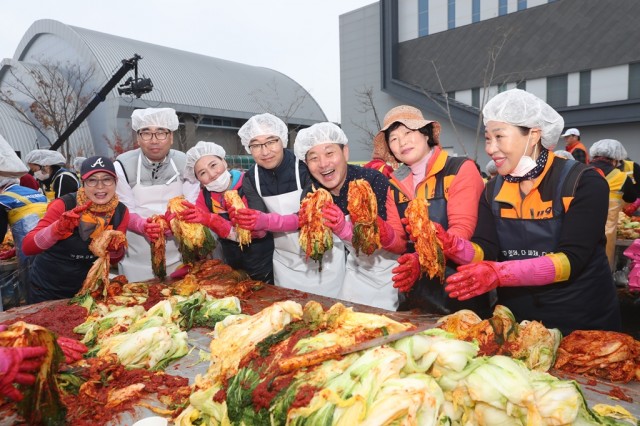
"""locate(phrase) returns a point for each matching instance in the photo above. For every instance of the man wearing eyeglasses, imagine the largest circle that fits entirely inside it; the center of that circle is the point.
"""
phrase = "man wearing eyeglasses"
(273, 189)
(148, 178)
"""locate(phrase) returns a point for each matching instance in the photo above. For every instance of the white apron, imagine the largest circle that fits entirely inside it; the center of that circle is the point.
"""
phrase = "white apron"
(150, 200)
(368, 278)
(290, 269)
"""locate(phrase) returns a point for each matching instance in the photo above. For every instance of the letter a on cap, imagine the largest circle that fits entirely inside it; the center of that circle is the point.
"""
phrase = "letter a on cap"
(98, 163)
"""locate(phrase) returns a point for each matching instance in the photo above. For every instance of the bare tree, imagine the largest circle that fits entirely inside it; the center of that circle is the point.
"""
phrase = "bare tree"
(120, 144)
(49, 96)
(371, 123)
(270, 100)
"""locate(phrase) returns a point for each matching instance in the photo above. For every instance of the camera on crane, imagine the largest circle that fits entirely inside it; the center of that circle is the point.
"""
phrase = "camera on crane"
(135, 86)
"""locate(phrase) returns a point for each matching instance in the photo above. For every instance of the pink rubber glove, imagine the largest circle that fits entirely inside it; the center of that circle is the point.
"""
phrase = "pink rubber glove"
(478, 278)
(180, 272)
(631, 208)
(16, 366)
(69, 220)
(387, 234)
(334, 219)
(72, 349)
(407, 272)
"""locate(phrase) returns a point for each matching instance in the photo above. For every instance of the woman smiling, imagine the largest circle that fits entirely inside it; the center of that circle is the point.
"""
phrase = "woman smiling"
(62, 237)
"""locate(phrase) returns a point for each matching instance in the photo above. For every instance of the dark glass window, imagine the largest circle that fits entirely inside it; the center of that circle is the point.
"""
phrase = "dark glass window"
(557, 91)
(423, 17)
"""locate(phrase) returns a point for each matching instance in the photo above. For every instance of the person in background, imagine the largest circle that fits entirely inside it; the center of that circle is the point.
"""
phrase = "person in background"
(20, 209)
(48, 168)
(367, 280)
(60, 241)
(604, 156)
(574, 146)
(491, 170)
(28, 181)
(563, 154)
(206, 165)
(452, 187)
(77, 163)
(540, 235)
(273, 189)
(148, 177)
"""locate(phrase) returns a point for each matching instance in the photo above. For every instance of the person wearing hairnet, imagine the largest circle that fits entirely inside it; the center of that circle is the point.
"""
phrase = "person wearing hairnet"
(563, 154)
(605, 155)
(273, 189)
(452, 187)
(540, 235)
(20, 210)
(47, 167)
(77, 162)
(206, 165)
(148, 177)
(61, 239)
(491, 170)
(367, 280)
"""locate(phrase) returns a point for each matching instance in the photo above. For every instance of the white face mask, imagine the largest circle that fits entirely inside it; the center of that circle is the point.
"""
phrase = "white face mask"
(221, 183)
(40, 175)
(526, 163)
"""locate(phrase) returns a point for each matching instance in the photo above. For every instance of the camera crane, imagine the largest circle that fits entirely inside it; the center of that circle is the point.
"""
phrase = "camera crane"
(133, 85)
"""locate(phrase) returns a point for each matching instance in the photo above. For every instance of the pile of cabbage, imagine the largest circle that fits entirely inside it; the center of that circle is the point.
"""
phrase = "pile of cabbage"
(151, 339)
(429, 378)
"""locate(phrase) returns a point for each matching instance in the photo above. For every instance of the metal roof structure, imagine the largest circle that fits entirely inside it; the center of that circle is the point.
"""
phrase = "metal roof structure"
(193, 82)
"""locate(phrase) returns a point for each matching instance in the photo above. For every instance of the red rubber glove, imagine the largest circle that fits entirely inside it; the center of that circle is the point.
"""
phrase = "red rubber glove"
(407, 228)
(630, 209)
(387, 234)
(407, 272)
(215, 222)
(152, 230)
(449, 241)
(335, 219)
(16, 366)
(72, 349)
(231, 211)
(180, 272)
(473, 280)
(8, 254)
(69, 220)
(249, 219)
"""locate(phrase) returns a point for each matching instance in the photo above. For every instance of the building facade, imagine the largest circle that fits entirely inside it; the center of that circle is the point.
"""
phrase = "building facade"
(449, 57)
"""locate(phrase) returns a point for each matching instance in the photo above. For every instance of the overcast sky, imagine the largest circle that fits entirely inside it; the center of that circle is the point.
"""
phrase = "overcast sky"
(299, 38)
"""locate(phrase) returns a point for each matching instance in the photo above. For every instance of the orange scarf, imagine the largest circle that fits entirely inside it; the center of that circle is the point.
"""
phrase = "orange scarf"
(97, 216)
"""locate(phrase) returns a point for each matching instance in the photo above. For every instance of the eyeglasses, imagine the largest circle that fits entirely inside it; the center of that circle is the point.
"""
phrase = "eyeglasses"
(160, 135)
(270, 145)
(93, 182)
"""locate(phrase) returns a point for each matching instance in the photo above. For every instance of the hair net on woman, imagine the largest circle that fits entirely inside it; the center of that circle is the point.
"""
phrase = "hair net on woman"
(262, 125)
(155, 117)
(491, 168)
(319, 133)
(4, 181)
(45, 157)
(77, 162)
(201, 149)
(609, 148)
(564, 154)
(10, 163)
(520, 108)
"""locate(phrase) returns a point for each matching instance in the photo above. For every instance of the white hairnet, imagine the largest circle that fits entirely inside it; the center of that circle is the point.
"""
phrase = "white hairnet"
(4, 181)
(564, 154)
(319, 133)
(520, 108)
(77, 162)
(263, 125)
(155, 117)
(491, 168)
(10, 163)
(201, 149)
(45, 157)
(609, 148)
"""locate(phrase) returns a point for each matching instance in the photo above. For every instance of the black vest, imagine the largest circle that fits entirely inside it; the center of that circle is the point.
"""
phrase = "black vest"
(58, 272)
